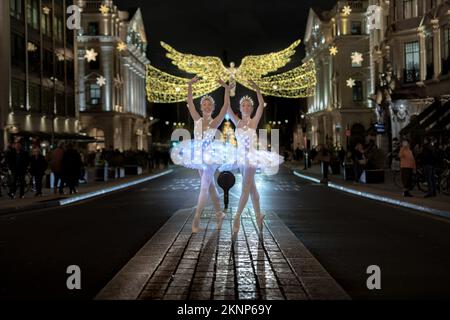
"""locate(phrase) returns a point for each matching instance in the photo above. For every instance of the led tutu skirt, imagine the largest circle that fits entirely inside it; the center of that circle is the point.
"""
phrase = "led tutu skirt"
(202, 153)
(248, 155)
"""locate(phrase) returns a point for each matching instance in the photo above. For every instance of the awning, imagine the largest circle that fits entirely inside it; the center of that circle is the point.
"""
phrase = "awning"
(443, 121)
(416, 122)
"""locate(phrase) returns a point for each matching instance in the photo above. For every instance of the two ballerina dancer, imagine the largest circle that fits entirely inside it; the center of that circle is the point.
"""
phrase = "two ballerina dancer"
(214, 155)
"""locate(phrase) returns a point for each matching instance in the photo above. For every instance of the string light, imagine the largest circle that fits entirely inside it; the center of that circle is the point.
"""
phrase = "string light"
(296, 83)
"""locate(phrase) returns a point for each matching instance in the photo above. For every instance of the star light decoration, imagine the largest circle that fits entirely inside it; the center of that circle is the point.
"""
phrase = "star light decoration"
(46, 10)
(31, 47)
(351, 83)
(60, 55)
(346, 10)
(101, 81)
(91, 55)
(104, 9)
(357, 58)
(121, 46)
(333, 50)
(298, 82)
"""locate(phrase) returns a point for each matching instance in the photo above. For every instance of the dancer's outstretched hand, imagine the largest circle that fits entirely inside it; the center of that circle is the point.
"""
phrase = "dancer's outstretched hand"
(193, 80)
(223, 84)
(254, 85)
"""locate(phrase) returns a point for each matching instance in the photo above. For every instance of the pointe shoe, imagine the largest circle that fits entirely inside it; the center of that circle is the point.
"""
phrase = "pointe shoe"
(236, 224)
(196, 224)
(260, 221)
(219, 219)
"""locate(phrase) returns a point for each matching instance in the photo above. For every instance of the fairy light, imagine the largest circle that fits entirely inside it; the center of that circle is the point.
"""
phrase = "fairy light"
(299, 82)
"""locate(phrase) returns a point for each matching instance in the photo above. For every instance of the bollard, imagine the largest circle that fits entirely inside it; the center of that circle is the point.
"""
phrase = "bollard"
(226, 181)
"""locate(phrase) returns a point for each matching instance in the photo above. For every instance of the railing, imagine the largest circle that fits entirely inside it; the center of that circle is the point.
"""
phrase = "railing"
(411, 75)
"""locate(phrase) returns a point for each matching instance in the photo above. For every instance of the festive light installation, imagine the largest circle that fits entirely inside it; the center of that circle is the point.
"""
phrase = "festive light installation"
(296, 83)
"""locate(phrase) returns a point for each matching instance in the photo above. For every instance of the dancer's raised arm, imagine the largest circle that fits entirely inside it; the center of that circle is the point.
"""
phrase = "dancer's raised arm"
(234, 117)
(219, 119)
(190, 100)
(261, 104)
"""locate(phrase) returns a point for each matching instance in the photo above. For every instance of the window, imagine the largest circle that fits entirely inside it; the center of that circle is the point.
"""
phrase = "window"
(34, 58)
(95, 94)
(430, 61)
(33, 13)
(412, 60)
(47, 101)
(34, 92)
(16, 9)
(409, 9)
(70, 105)
(60, 104)
(48, 63)
(358, 91)
(58, 25)
(446, 57)
(18, 51)
(18, 94)
(356, 27)
(93, 29)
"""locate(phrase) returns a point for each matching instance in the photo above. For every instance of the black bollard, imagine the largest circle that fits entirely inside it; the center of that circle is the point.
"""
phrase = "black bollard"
(226, 181)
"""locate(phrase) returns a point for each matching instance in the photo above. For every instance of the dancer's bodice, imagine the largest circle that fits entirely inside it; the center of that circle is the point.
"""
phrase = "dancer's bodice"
(246, 137)
(206, 135)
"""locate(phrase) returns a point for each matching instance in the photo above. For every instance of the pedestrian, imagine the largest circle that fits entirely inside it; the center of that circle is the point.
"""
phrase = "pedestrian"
(407, 167)
(359, 161)
(38, 166)
(428, 161)
(298, 153)
(71, 164)
(18, 165)
(57, 170)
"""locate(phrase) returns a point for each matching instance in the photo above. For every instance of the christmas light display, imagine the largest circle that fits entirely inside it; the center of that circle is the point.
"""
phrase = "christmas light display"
(295, 83)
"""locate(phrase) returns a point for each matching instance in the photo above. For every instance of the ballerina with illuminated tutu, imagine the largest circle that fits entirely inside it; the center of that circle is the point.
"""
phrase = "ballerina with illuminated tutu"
(249, 158)
(204, 152)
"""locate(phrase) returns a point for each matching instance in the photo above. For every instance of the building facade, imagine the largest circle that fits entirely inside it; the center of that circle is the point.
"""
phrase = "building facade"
(37, 83)
(339, 111)
(111, 69)
(417, 44)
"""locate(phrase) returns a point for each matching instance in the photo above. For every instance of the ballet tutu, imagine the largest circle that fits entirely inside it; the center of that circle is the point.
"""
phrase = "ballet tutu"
(200, 154)
(266, 161)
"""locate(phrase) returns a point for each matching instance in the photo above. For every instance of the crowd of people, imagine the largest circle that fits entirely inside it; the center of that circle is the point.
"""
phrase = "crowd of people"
(67, 165)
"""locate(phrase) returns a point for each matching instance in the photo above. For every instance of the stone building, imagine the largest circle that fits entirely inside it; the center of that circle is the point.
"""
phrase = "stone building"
(111, 69)
(37, 84)
(337, 110)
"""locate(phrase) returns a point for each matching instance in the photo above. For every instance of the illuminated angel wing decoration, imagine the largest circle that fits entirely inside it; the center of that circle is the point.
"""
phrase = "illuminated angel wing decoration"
(165, 88)
(208, 68)
(299, 82)
(296, 83)
(254, 67)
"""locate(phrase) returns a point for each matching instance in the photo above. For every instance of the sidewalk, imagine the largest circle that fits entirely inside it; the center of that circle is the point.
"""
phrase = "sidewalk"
(85, 191)
(177, 265)
(386, 192)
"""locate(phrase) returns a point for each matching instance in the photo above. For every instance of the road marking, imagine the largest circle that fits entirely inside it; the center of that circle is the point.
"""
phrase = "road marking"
(97, 193)
(372, 196)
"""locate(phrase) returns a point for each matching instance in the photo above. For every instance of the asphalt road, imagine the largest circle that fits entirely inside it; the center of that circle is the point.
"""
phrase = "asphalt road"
(345, 233)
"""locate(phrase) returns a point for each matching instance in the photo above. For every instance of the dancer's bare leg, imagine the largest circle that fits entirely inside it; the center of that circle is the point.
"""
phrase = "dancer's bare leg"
(205, 182)
(214, 195)
(254, 194)
(248, 175)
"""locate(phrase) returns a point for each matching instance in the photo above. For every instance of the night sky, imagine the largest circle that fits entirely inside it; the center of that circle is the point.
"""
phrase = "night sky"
(227, 29)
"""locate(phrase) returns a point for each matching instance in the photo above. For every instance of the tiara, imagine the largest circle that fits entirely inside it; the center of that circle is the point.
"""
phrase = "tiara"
(207, 97)
(248, 98)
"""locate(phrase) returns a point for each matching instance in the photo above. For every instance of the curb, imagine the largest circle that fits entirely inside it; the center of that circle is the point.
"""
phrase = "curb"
(82, 197)
(373, 196)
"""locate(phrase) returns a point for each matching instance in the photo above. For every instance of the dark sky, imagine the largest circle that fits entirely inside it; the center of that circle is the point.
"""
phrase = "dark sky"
(229, 29)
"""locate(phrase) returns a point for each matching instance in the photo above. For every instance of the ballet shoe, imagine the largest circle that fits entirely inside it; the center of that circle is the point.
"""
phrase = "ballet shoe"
(196, 224)
(236, 224)
(219, 219)
(260, 221)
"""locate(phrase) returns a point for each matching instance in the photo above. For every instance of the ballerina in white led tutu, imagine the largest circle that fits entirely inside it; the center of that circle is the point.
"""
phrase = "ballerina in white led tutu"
(204, 153)
(249, 158)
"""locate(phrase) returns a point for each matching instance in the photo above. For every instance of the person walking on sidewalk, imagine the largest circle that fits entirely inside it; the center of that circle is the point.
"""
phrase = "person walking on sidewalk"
(407, 166)
(324, 156)
(359, 161)
(71, 165)
(18, 164)
(427, 158)
(38, 166)
(56, 167)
